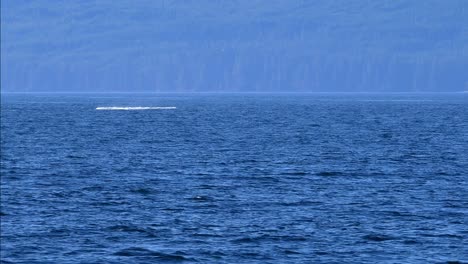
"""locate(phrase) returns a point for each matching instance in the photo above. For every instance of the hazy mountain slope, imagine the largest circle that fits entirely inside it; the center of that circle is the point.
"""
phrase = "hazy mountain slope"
(234, 45)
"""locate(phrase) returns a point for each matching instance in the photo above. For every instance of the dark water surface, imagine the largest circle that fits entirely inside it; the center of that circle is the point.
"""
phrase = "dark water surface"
(234, 179)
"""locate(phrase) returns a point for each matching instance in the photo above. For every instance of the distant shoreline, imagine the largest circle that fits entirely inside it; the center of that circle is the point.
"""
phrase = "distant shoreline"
(228, 93)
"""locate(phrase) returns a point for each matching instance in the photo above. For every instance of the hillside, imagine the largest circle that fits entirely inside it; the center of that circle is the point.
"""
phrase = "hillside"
(193, 45)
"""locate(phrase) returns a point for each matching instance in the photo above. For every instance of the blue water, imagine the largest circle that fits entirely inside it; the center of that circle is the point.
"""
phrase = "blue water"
(296, 178)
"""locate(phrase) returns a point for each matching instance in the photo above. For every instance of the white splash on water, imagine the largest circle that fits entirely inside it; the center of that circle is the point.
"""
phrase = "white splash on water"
(127, 108)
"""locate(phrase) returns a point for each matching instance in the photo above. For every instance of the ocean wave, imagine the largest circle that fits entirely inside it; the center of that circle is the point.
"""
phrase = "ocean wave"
(136, 108)
(144, 252)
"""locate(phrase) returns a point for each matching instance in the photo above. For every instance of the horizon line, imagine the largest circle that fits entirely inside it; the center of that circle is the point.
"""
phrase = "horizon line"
(236, 92)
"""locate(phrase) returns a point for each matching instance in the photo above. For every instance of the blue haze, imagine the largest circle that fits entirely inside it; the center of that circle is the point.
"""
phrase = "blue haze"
(253, 46)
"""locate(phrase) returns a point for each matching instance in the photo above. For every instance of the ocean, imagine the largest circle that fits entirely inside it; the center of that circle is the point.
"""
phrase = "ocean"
(234, 178)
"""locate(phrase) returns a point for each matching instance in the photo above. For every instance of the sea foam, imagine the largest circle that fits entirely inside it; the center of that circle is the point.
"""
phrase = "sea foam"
(136, 108)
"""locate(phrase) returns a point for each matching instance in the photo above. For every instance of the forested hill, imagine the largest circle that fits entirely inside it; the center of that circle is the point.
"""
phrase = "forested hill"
(243, 45)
